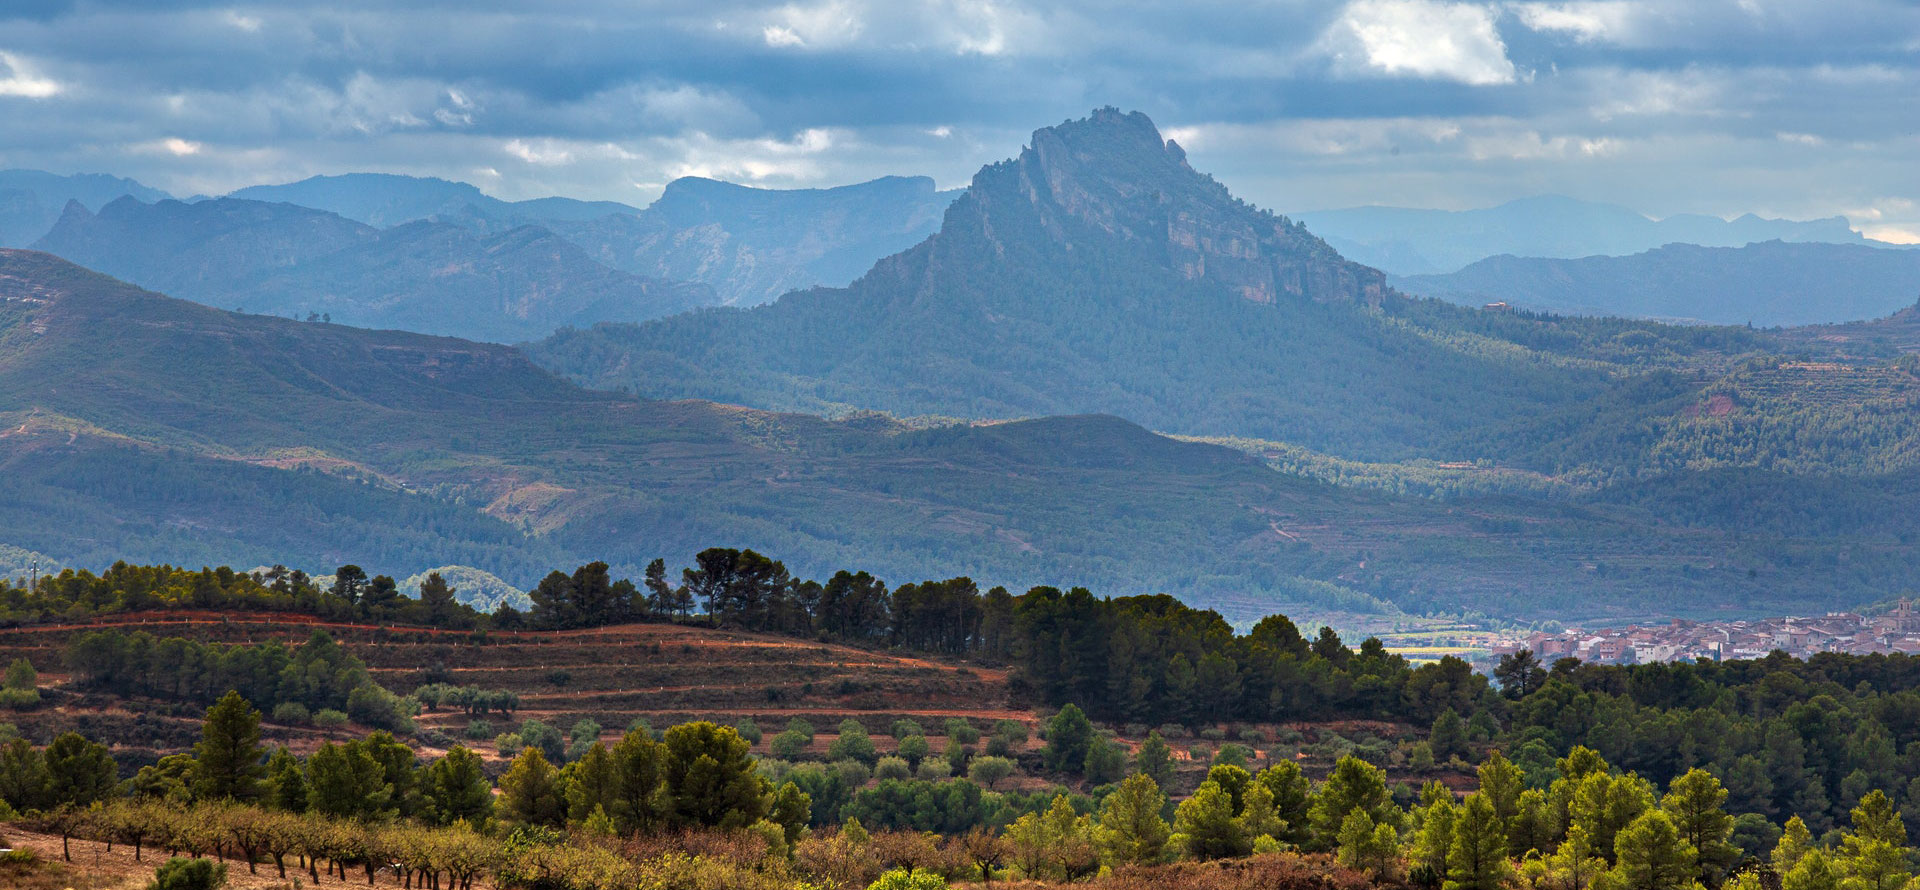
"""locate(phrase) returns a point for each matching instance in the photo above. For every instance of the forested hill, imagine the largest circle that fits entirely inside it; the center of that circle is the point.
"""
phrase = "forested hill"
(1099, 272)
(141, 427)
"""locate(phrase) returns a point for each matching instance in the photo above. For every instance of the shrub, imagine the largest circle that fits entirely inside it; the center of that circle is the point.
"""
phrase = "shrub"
(19, 699)
(509, 743)
(962, 732)
(189, 874)
(1173, 731)
(328, 718)
(800, 726)
(934, 769)
(914, 748)
(292, 712)
(1214, 734)
(905, 727)
(790, 745)
(559, 678)
(479, 730)
(990, 771)
(892, 768)
(902, 879)
(853, 744)
(748, 730)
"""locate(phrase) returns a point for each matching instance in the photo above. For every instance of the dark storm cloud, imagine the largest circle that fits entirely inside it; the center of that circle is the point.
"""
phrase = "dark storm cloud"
(1705, 105)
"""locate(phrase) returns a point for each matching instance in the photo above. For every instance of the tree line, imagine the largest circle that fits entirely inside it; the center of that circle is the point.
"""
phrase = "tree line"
(613, 817)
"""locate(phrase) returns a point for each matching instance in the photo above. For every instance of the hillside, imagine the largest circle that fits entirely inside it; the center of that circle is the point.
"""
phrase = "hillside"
(280, 259)
(31, 200)
(750, 245)
(1098, 272)
(1774, 283)
(662, 673)
(1406, 241)
(207, 437)
(753, 245)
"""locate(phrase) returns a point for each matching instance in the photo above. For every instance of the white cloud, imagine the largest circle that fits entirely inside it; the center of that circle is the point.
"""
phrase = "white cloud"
(18, 78)
(1586, 21)
(1421, 38)
(821, 26)
(248, 23)
(779, 35)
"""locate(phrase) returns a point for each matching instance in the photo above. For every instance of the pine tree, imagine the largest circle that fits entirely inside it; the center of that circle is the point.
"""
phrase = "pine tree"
(1694, 802)
(1651, 855)
(227, 761)
(1795, 842)
(1873, 856)
(1258, 820)
(1449, 736)
(80, 772)
(1204, 825)
(591, 784)
(1069, 736)
(345, 782)
(456, 789)
(1155, 759)
(286, 782)
(1292, 799)
(530, 791)
(1434, 840)
(1477, 858)
(1353, 784)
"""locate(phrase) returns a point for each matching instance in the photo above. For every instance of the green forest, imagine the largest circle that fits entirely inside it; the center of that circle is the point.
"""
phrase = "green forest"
(1562, 776)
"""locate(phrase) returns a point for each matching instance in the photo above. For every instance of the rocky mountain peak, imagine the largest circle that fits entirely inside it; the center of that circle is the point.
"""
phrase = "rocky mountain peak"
(1114, 174)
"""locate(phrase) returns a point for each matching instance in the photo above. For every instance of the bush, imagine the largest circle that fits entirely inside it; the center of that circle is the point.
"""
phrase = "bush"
(189, 874)
(328, 718)
(933, 769)
(892, 768)
(479, 730)
(292, 712)
(790, 745)
(914, 748)
(559, 678)
(990, 771)
(748, 730)
(1173, 731)
(800, 726)
(509, 744)
(962, 732)
(1214, 734)
(19, 699)
(853, 744)
(902, 879)
(905, 727)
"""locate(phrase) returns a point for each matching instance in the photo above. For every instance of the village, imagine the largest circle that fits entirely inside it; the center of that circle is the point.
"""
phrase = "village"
(1683, 640)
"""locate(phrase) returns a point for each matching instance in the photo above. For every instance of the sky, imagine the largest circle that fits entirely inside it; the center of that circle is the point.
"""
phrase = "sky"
(1795, 108)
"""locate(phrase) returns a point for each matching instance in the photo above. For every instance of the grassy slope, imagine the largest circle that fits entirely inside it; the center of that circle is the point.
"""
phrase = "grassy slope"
(160, 430)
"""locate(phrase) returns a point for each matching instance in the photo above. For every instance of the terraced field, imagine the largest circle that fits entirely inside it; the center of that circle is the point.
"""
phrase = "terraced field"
(663, 673)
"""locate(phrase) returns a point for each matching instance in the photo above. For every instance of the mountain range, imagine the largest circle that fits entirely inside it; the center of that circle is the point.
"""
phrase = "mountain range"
(1364, 450)
(1406, 241)
(31, 201)
(1773, 283)
(431, 277)
(141, 427)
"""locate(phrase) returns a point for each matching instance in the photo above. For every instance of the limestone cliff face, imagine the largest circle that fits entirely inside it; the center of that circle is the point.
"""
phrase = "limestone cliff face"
(1113, 174)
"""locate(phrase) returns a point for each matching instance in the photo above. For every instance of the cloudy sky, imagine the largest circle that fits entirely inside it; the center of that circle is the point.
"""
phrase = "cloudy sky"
(1796, 108)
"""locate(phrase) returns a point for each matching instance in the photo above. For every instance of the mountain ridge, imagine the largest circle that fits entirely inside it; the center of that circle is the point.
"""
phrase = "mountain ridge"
(1770, 283)
(1413, 241)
